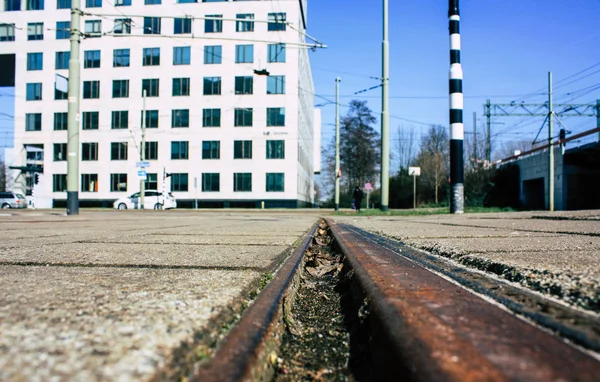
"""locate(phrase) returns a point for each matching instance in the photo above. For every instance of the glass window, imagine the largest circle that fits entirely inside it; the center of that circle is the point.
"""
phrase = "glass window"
(276, 85)
(179, 150)
(122, 3)
(12, 5)
(210, 182)
(119, 119)
(63, 30)
(118, 182)
(181, 55)
(180, 118)
(213, 24)
(212, 85)
(151, 151)
(276, 149)
(89, 151)
(90, 120)
(118, 151)
(277, 22)
(60, 95)
(34, 91)
(181, 86)
(59, 182)
(151, 119)
(7, 32)
(35, 5)
(182, 25)
(211, 118)
(151, 181)
(179, 182)
(120, 89)
(243, 85)
(61, 121)
(152, 2)
(245, 22)
(60, 152)
(91, 59)
(276, 53)
(35, 61)
(275, 182)
(33, 122)
(211, 149)
(35, 31)
(244, 53)
(91, 89)
(63, 4)
(93, 28)
(212, 54)
(89, 182)
(120, 58)
(275, 116)
(242, 182)
(62, 60)
(243, 117)
(151, 86)
(93, 3)
(122, 26)
(151, 56)
(242, 149)
(151, 25)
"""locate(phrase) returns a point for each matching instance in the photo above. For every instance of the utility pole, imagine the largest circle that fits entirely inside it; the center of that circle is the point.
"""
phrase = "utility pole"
(73, 119)
(474, 139)
(143, 149)
(385, 116)
(337, 143)
(488, 139)
(550, 148)
(457, 130)
(598, 116)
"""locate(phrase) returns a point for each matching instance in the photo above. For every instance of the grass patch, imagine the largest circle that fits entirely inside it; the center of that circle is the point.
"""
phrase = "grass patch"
(418, 212)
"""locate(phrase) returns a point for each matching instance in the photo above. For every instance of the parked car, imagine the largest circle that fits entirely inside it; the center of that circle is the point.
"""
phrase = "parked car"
(12, 200)
(153, 199)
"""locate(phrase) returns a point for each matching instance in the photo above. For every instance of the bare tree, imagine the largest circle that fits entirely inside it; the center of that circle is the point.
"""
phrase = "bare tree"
(511, 147)
(433, 158)
(406, 146)
(474, 151)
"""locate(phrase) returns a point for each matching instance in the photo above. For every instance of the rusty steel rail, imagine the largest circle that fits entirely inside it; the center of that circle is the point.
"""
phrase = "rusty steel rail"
(244, 354)
(424, 327)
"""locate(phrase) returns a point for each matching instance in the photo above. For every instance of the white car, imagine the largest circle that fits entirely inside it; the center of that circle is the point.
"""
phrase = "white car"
(153, 199)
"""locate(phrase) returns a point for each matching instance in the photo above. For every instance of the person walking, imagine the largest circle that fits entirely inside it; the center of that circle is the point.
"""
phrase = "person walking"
(358, 195)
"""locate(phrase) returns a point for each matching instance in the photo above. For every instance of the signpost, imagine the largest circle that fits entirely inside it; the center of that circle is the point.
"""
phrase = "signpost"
(368, 188)
(414, 171)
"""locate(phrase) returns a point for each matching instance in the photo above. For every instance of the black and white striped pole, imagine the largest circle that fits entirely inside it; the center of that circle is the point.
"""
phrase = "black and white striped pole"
(456, 113)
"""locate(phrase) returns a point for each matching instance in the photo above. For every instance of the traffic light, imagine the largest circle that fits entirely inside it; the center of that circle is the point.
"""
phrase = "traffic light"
(36, 178)
(562, 134)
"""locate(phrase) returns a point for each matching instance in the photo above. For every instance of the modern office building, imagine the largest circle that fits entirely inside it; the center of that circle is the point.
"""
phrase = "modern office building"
(229, 110)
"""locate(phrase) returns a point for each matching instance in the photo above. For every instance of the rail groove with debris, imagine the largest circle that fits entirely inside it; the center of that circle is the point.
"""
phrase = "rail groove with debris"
(358, 310)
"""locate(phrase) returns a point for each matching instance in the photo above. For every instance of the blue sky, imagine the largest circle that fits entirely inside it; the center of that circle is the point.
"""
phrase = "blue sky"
(507, 49)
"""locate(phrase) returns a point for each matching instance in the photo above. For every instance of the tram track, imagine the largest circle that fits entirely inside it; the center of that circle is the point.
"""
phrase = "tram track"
(420, 317)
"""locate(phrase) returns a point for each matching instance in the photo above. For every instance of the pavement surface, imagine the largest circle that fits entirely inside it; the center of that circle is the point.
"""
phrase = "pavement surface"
(113, 295)
(557, 254)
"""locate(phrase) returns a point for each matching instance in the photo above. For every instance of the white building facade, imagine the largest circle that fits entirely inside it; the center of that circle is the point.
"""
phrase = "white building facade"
(230, 120)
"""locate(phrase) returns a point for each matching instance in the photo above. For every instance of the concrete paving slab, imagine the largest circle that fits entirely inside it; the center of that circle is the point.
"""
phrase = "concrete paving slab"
(557, 257)
(516, 244)
(203, 239)
(146, 255)
(92, 324)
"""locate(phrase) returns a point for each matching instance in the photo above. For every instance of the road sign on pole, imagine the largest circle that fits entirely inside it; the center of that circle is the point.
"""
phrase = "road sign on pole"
(142, 174)
(142, 164)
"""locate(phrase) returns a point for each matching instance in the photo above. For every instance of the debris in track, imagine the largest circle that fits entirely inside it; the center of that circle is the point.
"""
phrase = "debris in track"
(318, 347)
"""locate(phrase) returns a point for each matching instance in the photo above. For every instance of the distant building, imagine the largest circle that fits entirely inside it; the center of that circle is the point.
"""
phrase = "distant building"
(229, 108)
